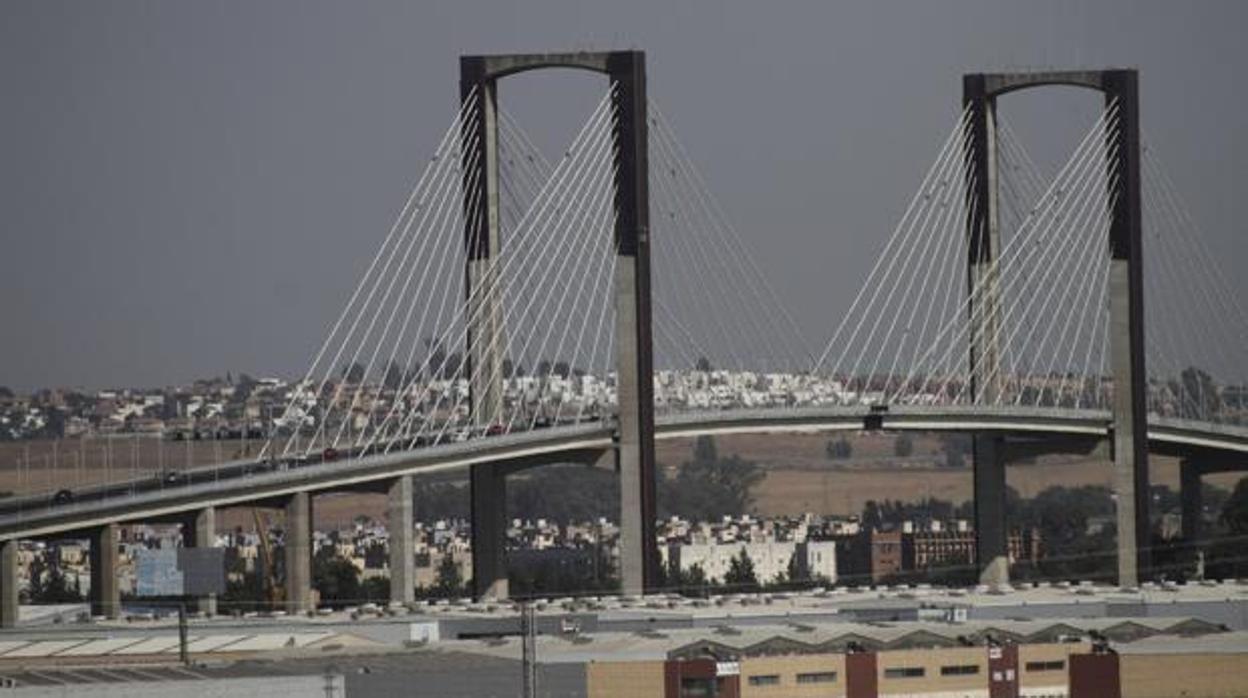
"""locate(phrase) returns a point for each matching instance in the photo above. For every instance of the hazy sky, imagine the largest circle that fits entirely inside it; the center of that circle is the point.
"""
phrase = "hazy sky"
(190, 188)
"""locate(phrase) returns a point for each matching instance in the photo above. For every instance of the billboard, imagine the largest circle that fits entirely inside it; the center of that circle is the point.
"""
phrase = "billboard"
(179, 572)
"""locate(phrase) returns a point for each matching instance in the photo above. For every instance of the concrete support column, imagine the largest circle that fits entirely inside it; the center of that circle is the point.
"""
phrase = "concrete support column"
(298, 553)
(489, 531)
(991, 542)
(200, 531)
(10, 608)
(105, 590)
(1192, 500)
(402, 551)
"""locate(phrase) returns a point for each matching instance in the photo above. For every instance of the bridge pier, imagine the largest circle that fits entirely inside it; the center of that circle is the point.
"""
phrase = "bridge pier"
(1191, 500)
(991, 540)
(10, 605)
(200, 531)
(298, 553)
(105, 591)
(399, 514)
(488, 483)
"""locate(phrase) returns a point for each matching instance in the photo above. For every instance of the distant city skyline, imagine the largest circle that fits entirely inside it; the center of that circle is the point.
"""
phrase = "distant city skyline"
(189, 190)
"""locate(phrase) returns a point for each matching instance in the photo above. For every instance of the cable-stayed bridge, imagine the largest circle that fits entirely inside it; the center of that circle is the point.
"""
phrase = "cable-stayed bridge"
(525, 310)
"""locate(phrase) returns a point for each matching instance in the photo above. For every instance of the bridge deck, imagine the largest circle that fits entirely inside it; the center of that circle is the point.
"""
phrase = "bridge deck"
(204, 487)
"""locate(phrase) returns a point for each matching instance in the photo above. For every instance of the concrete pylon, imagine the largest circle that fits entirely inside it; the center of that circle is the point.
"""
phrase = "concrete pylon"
(639, 559)
(399, 525)
(1126, 290)
(482, 245)
(484, 331)
(638, 547)
(10, 607)
(105, 591)
(983, 233)
(298, 553)
(1126, 330)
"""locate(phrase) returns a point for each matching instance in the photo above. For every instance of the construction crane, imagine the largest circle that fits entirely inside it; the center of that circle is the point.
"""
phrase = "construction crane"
(272, 590)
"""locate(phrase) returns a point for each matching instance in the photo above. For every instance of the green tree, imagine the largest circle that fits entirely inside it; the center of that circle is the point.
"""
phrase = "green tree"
(840, 449)
(903, 446)
(438, 360)
(1073, 546)
(353, 373)
(243, 589)
(709, 486)
(48, 583)
(449, 582)
(56, 589)
(440, 500)
(796, 571)
(703, 364)
(243, 387)
(566, 494)
(1198, 394)
(740, 573)
(395, 376)
(1235, 510)
(694, 578)
(705, 451)
(955, 447)
(376, 589)
(335, 577)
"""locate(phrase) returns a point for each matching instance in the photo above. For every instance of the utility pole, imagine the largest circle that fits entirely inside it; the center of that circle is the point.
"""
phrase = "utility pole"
(184, 653)
(528, 633)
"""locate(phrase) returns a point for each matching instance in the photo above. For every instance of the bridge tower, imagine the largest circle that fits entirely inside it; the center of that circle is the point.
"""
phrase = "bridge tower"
(1126, 298)
(626, 71)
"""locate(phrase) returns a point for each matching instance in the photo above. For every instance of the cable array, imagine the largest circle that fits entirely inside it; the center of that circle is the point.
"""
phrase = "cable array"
(722, 336)
(1035, 311)
(1196, 327)
(440, 342)
(396, 372)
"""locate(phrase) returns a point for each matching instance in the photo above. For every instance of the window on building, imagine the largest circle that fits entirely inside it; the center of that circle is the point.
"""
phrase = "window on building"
(1055, 665)
(817, 677)
(904, 672)
(697, 688)
(959, 670)
(765, 680)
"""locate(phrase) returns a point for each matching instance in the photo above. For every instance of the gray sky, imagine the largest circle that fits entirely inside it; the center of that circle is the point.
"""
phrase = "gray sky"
(190, 188)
